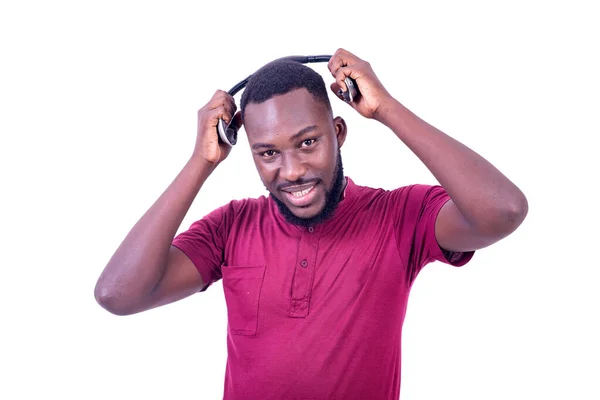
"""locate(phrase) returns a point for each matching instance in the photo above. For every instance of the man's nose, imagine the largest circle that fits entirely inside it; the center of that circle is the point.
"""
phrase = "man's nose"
(292, 168)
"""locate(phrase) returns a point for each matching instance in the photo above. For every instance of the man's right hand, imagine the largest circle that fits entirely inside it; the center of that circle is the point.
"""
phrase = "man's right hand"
(208, 146)
(146, 271)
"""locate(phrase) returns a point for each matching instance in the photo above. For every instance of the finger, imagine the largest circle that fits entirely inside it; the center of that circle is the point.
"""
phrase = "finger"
(341, 74)
(216, 114)
(221, 98)
(341, 58)
(223, 102)
(215, 101)
(336, 61)
(217, 98)
(219, 94)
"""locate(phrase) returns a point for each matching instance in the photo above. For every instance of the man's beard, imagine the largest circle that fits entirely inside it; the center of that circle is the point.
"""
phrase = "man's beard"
(332, 199)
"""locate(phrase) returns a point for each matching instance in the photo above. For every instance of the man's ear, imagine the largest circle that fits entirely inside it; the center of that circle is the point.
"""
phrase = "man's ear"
(340, 130)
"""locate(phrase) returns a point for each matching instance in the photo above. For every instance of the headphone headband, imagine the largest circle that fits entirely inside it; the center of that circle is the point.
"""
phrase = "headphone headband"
(228, 134)
(301, 59)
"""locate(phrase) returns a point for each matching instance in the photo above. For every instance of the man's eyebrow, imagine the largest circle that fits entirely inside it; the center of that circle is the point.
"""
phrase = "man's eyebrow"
(303, 131)
(257, 146)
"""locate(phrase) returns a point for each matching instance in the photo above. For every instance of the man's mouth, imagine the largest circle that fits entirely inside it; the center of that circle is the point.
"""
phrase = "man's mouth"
(302, 193)
(301, 196)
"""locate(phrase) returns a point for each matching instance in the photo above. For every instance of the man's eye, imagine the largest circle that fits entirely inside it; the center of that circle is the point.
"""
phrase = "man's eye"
(308, 142)
(268, 153)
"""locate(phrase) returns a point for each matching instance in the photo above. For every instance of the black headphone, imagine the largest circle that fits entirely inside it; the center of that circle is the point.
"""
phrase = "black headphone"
(228, 134)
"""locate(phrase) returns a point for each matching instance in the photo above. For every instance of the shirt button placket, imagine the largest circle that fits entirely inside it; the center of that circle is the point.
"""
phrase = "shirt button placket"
(303, 275)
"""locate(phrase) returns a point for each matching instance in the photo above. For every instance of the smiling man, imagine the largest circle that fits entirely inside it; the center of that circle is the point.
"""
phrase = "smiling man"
(316, 276)
(297, 153)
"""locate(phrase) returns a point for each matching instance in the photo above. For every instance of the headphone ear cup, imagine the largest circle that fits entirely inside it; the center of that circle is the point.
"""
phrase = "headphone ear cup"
(227, 133)
(232, 134)
(352, 93)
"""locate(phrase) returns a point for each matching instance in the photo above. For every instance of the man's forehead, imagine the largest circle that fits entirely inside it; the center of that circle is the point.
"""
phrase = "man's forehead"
(294, 110)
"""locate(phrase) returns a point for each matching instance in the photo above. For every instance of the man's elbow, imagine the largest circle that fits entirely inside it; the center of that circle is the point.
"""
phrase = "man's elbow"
(108, 299)
(497, 221)
(516, 212)
(509, 216)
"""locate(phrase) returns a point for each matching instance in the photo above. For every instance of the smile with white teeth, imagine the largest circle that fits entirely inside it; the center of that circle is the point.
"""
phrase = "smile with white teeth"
(302, 193)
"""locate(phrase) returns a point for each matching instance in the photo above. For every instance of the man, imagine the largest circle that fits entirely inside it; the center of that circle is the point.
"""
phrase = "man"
(316, 276)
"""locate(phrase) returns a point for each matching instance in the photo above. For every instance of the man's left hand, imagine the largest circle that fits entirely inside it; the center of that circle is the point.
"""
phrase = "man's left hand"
(373, 96)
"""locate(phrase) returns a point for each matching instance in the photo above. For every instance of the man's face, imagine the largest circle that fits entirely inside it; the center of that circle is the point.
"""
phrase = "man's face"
(295, 144)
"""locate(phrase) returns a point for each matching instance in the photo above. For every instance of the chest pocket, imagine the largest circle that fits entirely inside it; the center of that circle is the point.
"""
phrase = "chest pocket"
(242, 287)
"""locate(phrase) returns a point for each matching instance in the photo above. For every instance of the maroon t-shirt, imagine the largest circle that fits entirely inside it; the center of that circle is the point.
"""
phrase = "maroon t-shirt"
(317, 312)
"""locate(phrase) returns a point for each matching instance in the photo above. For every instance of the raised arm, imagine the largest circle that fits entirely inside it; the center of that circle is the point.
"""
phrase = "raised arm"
(146, 271)
(485, 205)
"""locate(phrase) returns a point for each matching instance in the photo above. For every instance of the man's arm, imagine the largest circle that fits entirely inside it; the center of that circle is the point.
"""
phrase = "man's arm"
(485, 206)
(146, 271)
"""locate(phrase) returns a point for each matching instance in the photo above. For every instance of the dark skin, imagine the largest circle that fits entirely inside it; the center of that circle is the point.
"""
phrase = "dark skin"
(295, 151)
(295, 140)
(146, 271)
(485, 205)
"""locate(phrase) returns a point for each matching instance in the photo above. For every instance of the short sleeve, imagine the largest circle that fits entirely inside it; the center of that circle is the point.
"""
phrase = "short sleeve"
(416, 211)
(204, 243)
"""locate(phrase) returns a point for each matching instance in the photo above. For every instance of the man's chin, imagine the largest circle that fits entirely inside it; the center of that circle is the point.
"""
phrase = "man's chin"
(324, 205)
(302, 216)
(306, 213)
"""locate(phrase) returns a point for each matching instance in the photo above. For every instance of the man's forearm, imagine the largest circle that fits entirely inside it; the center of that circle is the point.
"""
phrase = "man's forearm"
(483, 194)
(138, 264)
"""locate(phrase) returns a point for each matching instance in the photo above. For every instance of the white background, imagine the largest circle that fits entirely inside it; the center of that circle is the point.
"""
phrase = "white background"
(97, 116)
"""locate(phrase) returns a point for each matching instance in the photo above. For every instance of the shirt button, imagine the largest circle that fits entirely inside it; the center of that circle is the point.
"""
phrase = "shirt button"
(311, 229)
(304, 263)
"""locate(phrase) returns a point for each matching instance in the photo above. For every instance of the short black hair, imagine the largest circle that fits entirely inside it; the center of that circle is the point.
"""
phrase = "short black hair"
(280, 77)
